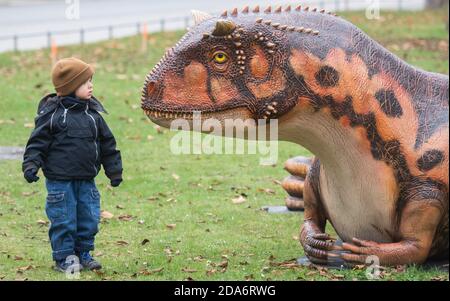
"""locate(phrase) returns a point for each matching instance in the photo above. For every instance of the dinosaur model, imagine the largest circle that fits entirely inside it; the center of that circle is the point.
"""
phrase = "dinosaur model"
(379, 128)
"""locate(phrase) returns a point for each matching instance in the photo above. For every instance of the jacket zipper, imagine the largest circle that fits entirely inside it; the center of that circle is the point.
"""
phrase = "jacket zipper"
(95, 140)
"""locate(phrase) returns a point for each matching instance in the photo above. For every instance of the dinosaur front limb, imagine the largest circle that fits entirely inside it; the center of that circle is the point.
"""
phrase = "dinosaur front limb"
(418, 225)
(315, 242)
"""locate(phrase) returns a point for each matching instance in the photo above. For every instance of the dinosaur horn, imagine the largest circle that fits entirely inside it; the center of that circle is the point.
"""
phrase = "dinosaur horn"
(223, 28)
(200, 16)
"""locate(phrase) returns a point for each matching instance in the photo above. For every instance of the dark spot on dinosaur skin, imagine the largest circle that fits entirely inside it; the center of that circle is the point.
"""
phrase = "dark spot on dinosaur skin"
(430, 159)
(389, 103)
(327, 76)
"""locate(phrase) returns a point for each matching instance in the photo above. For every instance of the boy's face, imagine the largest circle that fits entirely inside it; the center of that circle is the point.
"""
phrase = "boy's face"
(85, 90)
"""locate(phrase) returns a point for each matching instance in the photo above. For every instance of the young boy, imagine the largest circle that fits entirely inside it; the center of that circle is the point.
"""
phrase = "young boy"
(70, 142)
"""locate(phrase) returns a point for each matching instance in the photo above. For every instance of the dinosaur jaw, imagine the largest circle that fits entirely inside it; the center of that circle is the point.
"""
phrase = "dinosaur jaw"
(164, 117)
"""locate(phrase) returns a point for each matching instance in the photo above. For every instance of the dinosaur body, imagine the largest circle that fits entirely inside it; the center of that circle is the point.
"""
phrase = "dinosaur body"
(378, 126)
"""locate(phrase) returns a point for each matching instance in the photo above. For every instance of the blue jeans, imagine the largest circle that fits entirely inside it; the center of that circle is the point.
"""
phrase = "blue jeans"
(73, 208)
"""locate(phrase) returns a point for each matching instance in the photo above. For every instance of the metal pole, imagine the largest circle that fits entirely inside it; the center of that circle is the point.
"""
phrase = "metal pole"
(138, 28)
(186, 22)
(162, 24)
(400, 5)
(110, 33)
(49, 39)
(16, 48)
(81, 36)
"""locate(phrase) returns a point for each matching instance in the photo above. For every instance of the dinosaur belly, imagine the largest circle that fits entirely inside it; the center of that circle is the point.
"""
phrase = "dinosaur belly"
(360, 200)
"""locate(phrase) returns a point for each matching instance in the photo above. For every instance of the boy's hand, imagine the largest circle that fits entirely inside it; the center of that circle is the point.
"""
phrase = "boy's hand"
(31, 175)
(116, 182)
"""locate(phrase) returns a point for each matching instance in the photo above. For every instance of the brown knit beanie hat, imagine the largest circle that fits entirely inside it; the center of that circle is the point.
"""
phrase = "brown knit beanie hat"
(70, 73)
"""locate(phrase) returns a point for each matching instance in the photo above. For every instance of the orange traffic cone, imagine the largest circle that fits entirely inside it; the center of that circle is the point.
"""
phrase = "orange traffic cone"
(144, 37)
(53, 51)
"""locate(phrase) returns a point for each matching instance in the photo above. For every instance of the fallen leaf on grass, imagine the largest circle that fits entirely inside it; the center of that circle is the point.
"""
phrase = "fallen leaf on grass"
(145, 241)
(171, 226)
(122, 243)
(29, 125)
(266, 190)
(120, 207)
(18, 258)
(175, 176)
(146, 272)
(27, 194)
(106, 214)
(125, 217)
(211, 272)
(25, 268)
(188, 270)
(239, 200)
(42, 222)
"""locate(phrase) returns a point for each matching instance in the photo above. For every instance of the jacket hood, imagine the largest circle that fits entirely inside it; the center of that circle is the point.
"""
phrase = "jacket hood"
(51, 101)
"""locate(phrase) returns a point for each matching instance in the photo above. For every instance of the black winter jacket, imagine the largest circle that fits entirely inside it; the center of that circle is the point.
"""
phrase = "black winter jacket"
(71, 140)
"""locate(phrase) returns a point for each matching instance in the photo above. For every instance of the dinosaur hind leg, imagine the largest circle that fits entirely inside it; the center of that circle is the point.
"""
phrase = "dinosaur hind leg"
(294, 184)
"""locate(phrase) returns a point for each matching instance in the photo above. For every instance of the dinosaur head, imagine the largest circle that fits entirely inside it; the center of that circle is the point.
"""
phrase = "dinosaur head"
(230, 66)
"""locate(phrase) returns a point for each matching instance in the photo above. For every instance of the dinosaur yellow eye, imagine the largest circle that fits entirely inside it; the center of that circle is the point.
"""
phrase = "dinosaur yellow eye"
(220, 57)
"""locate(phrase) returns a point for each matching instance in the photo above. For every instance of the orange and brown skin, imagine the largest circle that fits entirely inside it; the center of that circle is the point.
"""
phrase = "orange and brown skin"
(295, 64)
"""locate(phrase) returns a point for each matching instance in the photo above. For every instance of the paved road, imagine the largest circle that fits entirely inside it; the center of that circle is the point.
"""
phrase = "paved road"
(24, 17)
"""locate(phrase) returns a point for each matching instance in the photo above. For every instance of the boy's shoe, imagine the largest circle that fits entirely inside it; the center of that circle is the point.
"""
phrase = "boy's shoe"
(88, 262)
(67, 266)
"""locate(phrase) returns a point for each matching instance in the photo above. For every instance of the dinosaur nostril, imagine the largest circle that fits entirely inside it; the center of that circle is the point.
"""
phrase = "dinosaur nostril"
(151, 88)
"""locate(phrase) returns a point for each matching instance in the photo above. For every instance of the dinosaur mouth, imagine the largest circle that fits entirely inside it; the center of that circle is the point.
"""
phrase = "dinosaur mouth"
(164, 117)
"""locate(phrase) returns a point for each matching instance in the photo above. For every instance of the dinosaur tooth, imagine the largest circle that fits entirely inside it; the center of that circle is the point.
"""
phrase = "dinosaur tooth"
(242, 67)
(308, 30)
(274, 103)
(268, 22)
(241, 72)
(300, 29)
(259, 20)
(206, 35)
(234, 12)
(283, 27)
(278, 9)
(241, 51)
(256, 9)
(276, 25)
(245, 10)
(314, 9)
(268, 10)
(270, 45)
(315, 32)
(306, 8)
(270, 51)
(291, 28)
(244, 58)
(261, 39)
(270, 108)
(288, 8)
(322, 11)
(298, 8)
(224, 14)
(238, 44)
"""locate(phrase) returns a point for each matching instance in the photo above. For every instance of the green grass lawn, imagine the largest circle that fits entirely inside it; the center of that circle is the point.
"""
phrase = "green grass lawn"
(174, 218)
